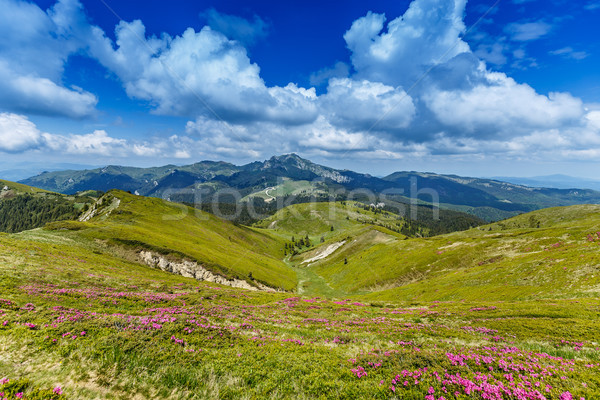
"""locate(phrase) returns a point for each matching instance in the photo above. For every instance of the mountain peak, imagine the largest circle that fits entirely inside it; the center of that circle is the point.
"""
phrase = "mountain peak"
(288, 160)
(289, 157)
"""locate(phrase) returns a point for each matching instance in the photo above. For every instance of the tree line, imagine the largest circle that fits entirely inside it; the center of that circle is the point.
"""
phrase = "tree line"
(27, 212)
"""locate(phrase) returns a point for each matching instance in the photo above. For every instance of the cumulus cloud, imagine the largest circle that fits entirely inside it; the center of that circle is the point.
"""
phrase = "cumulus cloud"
(198, 73)
(414, 87)
(17, 133)
(458, 106)
(365, 106)
(427, 34)
(237, 28)
(503, 107)
(454, 94)
(95, 143)
(33, 53)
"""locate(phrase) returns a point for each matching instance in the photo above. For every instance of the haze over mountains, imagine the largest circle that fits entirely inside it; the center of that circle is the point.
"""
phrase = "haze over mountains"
(557, 181)
(290, 174)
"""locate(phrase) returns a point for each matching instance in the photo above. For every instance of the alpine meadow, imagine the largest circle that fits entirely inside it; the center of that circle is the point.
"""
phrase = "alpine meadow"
(299, 200)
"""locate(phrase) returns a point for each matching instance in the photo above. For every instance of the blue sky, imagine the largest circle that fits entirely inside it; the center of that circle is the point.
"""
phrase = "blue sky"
(477, 88)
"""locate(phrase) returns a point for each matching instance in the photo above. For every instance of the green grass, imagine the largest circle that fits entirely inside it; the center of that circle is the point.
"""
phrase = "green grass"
(77, 311)
(19, 188)
(513, 259)
(252, 344)
(182, 232)
(286, 188)
(317, 219)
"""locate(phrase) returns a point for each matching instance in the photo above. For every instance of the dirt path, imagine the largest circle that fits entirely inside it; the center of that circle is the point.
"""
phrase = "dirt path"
(271, 198)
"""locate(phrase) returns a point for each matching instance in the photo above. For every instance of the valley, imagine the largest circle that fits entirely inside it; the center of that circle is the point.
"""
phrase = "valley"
(318, 300)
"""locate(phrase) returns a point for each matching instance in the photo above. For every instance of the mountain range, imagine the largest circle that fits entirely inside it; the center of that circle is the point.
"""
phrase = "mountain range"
(290, 174)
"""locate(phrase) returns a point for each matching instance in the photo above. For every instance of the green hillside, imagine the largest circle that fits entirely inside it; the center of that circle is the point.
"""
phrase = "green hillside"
(289, 187)
(10, 189)
(81, 316)
(80, 319)
(317, 219)
(550, 253)
(180, 232)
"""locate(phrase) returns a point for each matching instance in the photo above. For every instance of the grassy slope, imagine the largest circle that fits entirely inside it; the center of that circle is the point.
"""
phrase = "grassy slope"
(76, 316)
(316, 220)
(288, 187)
(182, 231)
(19, 188)
(513, 259)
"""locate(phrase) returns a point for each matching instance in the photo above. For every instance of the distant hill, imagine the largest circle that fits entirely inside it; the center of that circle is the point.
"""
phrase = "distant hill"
(291, 175)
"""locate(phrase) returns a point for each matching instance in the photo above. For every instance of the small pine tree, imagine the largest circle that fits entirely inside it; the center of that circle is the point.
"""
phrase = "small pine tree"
(345, 260)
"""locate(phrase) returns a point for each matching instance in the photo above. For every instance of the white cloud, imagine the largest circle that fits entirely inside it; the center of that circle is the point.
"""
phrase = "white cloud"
(364, 105)
(95, 143)
(34, 49)
(427, 34)
(527, 31)
(460, 107)
(324, 136)
(593, 120)
(492, 53)
(415, 87)
(503, 107)
(32, 94)
(198, 73)
(252, 140)
(17, 133)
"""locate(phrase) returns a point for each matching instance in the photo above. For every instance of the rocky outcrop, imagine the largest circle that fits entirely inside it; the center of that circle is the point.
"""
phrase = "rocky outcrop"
(191, 269)
(325, 252)
(98, 209)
